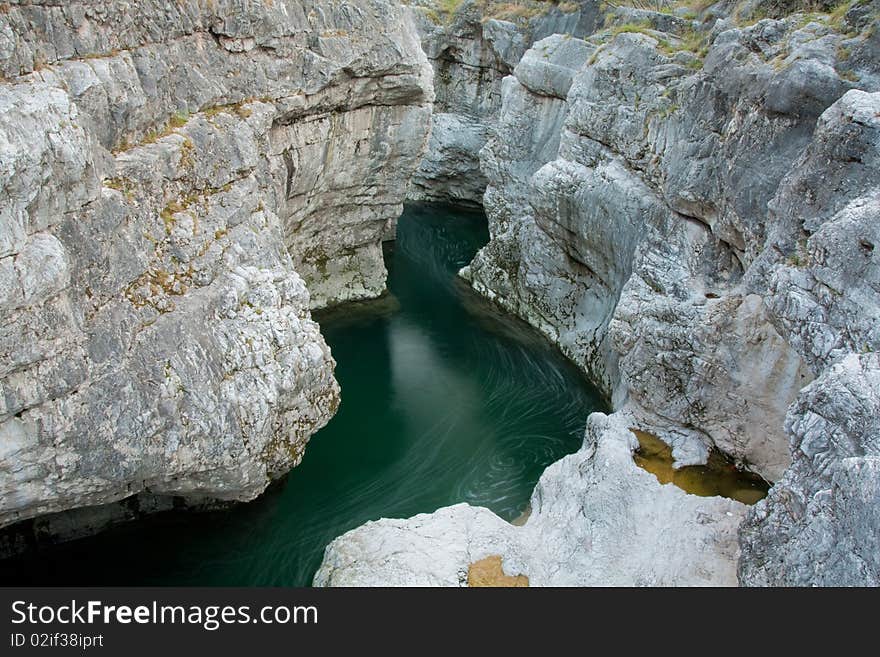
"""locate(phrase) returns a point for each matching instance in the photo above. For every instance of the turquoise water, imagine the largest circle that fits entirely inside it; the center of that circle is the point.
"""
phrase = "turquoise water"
(444, 400)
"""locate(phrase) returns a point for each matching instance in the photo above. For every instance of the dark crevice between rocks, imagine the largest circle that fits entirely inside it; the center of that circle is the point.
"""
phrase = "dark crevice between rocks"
(34, 535)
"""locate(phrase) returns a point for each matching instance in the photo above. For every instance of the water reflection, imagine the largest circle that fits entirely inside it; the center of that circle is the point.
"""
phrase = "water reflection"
(444, 400)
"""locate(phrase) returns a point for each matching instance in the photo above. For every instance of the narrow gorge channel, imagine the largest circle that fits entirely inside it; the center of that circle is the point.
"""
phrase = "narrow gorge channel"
(445, 400)
(659, 335)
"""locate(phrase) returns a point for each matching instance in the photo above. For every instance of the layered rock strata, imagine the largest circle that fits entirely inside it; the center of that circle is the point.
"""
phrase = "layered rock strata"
(472, 48)
(686, 205)
(176, 179)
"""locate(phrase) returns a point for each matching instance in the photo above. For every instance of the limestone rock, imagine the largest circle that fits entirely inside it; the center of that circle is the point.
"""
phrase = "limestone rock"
(633, 231)
(822, 260)
(174, 176)
(471, 51)
(819, 524)
(522, 268)
(597, 520)
(690, 214)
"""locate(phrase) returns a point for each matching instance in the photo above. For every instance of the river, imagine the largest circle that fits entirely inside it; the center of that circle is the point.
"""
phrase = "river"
(444, 400)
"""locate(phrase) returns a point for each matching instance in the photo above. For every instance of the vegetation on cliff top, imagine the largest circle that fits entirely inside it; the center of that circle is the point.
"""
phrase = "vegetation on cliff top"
(515, 11)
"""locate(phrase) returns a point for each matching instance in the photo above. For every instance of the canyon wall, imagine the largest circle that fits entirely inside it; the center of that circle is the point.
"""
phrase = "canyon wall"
(626, 226)
(472, 49)
(181, 183)
(685, 202)
(820, 523)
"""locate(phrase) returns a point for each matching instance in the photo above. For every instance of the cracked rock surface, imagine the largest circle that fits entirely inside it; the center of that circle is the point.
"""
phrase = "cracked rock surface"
(181, 183)
(688, 209)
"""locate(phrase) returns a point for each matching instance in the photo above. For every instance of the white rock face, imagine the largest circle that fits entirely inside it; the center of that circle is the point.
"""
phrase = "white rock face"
(819, 526)
(173, 177)
(597, 520)
(522, 268)
(471, 51)
(627, 218)
(696, 228)
(695, 225)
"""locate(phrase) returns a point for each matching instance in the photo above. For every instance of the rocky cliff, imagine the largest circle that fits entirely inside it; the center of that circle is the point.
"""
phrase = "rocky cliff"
(819, 525)
(626, 221)
(685, 202)
(641, 243)
(472, 47)
(181, 182)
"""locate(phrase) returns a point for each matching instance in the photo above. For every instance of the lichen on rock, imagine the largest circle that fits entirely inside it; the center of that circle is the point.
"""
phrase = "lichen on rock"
(167, 170)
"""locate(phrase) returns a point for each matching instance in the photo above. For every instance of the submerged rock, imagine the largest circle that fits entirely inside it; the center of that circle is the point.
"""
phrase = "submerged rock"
(174, 176)
(489, 573)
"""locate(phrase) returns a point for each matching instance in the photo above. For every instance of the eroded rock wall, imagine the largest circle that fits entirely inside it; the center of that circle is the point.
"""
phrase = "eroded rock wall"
(176, 178)
(687, 205)
(635, 245)
(713, 232)
(820, 523)
(472, 49)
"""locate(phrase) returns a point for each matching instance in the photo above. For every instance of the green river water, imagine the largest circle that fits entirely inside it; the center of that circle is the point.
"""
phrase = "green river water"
(444, 400)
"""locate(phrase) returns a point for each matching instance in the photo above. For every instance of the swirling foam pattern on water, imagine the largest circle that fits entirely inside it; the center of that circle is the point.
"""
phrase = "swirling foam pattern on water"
(444, 400)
